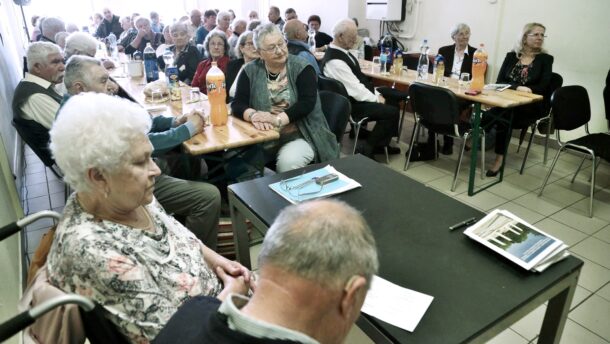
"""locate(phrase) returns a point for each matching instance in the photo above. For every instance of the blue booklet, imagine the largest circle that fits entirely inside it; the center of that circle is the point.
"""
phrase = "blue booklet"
(320, 183)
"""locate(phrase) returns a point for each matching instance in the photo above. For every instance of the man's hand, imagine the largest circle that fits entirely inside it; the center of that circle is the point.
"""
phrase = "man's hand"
(196, 118)
(524, 89)
(380, 99)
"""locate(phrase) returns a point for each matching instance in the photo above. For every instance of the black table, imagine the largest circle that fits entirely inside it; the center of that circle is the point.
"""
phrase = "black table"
(477, 293)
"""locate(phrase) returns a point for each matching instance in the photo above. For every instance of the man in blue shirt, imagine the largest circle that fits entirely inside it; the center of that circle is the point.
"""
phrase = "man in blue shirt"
(296, 35)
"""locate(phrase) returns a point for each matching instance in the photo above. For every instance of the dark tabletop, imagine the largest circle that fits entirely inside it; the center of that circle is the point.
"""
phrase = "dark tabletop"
(472, 286)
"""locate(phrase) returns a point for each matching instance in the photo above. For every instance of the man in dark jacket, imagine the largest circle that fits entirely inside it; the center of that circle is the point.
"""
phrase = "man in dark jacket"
(111, 24)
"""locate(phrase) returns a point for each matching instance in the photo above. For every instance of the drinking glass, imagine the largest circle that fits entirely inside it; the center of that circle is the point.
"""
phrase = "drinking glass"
(156, 96)
(376, 65)
(194, 95)
(464, 82)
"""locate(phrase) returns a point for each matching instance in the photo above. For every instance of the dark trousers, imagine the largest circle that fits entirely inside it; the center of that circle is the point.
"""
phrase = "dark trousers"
(523, 116)
(385, 118)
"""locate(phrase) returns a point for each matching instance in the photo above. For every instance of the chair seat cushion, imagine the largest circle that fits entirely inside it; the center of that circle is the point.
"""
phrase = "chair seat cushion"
(600, 143)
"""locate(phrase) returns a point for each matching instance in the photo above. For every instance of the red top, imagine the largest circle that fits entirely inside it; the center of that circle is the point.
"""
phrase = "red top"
(202, 70)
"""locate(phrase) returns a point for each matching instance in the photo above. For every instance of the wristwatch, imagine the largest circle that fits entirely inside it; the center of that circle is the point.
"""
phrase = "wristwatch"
(279, 121)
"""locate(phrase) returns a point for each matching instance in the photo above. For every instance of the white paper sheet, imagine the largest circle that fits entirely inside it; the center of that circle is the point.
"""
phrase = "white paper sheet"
(396, 305)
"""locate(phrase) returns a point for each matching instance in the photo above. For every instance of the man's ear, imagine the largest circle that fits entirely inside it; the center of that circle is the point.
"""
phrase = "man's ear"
(79, 87)
(354, 288)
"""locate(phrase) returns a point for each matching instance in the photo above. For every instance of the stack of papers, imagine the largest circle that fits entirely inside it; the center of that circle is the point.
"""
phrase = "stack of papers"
(496, 87)
(517, 240)
(305, 187)
(395, 305)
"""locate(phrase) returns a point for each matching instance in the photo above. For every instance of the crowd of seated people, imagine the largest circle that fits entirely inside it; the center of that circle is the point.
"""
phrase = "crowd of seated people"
(118, 220)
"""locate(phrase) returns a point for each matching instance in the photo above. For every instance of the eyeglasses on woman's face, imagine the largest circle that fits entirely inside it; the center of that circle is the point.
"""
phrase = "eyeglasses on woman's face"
(248, 44)
(275, 47)
(537, 35)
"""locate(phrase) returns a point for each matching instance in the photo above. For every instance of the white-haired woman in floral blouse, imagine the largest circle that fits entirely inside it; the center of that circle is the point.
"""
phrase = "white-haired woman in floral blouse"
(115, 244)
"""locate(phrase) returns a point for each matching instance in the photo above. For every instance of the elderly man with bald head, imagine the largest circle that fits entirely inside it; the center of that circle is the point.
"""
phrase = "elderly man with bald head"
(110, 24)
(296, 35)
(316, 265)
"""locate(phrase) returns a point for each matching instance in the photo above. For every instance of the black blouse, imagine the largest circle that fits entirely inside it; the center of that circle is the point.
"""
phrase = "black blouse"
(187, 62)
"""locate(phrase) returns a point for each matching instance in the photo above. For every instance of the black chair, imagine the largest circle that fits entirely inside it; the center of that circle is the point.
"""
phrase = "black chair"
(607, 99)
(37, 137)
(437, 109)
(328, 84)
(544, 123)
(368, 52)
(571, 109)
(336, 109)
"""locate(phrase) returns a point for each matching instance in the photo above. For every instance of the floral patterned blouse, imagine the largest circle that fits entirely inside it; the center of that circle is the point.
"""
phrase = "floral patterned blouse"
(519, 74)
(140, 277)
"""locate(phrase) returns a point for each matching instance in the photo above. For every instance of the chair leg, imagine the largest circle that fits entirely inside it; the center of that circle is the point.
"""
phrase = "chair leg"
(521, 138)
(435, 145)
(578, 169)
(593, 169)
(387, 155)
(546, 140)
(546, 179)
(357, 129)
(402, 120)
(482, 153)
(527, 150)
(413, 137)
(459, 163)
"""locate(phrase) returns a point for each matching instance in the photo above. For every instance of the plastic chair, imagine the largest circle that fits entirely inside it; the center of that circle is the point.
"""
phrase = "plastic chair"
(607, 99)
(332, 85)
(556, 82)
(571, 109)
(437, 109)
(336, 109)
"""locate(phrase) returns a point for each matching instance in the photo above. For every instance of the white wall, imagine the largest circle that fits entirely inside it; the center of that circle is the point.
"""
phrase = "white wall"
(578, 35)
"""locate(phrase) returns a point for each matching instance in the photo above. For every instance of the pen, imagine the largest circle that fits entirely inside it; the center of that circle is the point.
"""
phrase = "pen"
(464, 223)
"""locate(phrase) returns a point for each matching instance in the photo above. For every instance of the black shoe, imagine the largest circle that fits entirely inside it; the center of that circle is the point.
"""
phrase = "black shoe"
(491, 173)
(363, 134)
(391, 150)
(447, 150)
(365, 149)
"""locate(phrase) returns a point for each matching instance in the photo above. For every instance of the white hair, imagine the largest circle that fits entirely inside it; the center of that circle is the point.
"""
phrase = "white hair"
(60, 38)
(457, 28)
(77, 69)
(262, 31)
(241, 41)
(52, 25)
(178, 27)
(39, 51)
(342, 26)
(325, 241)
(80, 43)
(95, 130)
(222, 14)
(238, 22)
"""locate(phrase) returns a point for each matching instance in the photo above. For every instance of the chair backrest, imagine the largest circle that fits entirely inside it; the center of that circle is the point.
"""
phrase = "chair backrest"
(555, 83)
(436, 106)
(571, 107)
(411, 60)
(336, 109)
(328, 84)
(37, 137)
(607, 99)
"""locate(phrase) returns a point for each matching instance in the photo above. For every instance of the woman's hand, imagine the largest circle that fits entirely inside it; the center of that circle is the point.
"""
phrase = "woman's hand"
(231, 284)
(524, 89)
(263, 120)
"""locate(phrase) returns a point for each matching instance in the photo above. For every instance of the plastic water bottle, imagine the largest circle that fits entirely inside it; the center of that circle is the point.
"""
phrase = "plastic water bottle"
(387, 45)
(422, 64)
(479, 66)
(439, 70)
(168, 58)
(311, 41)
(150, 64)
(217, 95)
(383, 61)
(112, 46)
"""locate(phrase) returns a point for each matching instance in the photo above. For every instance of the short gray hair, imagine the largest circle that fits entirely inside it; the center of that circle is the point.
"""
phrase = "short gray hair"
(179, 26)
(95, 130)
(222, 14)
(238, 22)
(208, 38)
(342, 26)
(60, 38)
(253, 25)
(38, 52)
(140, 19)
(324, 241)
(262, 31)
(80, 43)
(457, 28)
(77, 69)
(51, 26)
(241, 41)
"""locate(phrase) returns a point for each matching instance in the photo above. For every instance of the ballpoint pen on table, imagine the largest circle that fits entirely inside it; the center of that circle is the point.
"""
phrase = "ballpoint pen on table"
(464, 223)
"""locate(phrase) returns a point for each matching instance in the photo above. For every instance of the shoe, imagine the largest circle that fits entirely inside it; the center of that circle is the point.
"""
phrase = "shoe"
(365, 149)
(491, 173)
(391, 150)
(363, 134)
(447, 150)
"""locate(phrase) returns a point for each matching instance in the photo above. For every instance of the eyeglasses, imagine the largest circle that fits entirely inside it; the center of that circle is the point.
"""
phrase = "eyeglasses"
(541, 35)
(274, 48)
(247, 44)
(217, 44)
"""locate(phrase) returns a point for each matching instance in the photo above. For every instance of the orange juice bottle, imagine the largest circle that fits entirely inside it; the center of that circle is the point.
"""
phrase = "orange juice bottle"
(479, 65)
(217, 95)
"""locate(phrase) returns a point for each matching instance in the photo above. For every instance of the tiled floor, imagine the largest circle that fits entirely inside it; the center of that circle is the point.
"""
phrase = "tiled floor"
(562, 211)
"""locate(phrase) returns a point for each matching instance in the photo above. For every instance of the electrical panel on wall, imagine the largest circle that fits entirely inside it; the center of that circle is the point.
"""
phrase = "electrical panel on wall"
(386, 10)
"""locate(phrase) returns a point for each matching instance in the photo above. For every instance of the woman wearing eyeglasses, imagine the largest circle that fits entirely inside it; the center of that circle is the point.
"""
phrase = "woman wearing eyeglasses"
(186, 56)
(245, 52)
(216, 50)
(526, 68)
(279, 91)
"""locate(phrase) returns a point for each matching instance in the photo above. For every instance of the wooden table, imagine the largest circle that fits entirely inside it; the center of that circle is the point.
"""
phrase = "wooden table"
(505, 99)
(237, 133)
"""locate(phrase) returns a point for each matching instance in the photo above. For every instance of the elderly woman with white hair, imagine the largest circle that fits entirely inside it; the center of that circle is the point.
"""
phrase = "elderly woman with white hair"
(186, 56)
(80, 43)
(245, 52)
(279, 92)
(223, 23)
(216, 49)
(115, 244)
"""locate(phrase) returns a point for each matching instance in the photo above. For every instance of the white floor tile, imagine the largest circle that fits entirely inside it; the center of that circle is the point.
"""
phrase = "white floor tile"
(601, 206)
(560, 195)
(592, 276)
(523, 212)
(567, 234)
(579, 296)
(593, 314)
(579, 221)
(424, 173)
(529, 326)
(540, 205)
(484, 200)
(604, 292)
(573, 333)
(508, 190)
(444, 185)
(604, 234)
(595, 250)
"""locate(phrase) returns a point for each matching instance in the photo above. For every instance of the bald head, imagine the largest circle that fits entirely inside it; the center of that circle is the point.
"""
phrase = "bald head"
(345, 33)
(195, 17)
(294, 30)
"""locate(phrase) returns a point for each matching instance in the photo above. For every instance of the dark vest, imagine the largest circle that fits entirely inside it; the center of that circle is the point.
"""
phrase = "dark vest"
(332, 54)
(36, 135)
